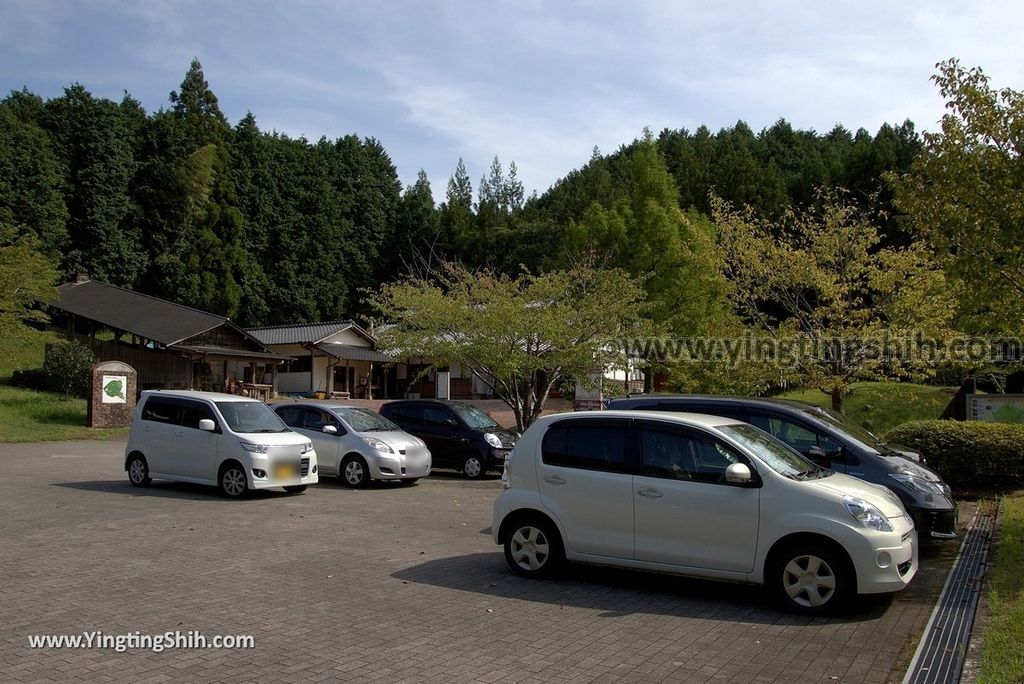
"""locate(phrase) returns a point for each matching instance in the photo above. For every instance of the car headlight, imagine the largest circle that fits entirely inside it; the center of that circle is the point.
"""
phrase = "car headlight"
(493, 440)
(255, 448)
(867, 513)
(307, 447)
(379, 445)
(919, 485)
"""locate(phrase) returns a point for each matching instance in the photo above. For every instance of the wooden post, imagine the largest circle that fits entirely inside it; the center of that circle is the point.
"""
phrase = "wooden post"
(346, 376)
(369, 382)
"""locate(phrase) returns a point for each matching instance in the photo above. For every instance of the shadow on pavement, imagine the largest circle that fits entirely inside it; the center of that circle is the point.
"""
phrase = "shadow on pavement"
(618, 593)
(168, 489)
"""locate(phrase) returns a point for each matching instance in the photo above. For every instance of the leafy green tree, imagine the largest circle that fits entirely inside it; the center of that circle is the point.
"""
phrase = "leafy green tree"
(521, 336)
(213, 223)
(31, 181)
(415, 246)
(66, 367)
(965, 196)
(93, 138)
(457, 212)
(27, 279)
(819, 278)
(645, 233)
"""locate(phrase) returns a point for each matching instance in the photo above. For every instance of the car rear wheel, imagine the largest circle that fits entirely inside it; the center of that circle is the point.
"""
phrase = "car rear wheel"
(811, 580)
(474, 467)
(138, 471)
(354, 472)
(533, 548)
(232, 482)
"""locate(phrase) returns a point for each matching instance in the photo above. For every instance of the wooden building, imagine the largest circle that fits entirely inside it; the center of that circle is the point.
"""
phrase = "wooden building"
(336, 358)
(169, 345)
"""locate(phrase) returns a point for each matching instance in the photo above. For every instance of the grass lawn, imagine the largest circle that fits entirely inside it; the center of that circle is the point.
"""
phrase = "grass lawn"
(29, 416)
(884, 404)
(1002, 658)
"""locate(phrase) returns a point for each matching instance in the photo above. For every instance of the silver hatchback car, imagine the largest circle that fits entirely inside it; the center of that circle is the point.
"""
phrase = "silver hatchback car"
(357, 444)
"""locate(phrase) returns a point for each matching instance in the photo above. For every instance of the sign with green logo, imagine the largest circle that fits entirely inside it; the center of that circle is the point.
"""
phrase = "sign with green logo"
(114, 388)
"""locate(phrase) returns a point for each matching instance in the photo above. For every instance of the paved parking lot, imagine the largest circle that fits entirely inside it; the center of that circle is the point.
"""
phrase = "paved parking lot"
(389, 584)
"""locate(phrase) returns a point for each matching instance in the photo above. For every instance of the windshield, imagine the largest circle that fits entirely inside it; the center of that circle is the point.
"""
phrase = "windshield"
(474, 417)
(250, 416)
(772, 452)
(849, 428)
(364, 420)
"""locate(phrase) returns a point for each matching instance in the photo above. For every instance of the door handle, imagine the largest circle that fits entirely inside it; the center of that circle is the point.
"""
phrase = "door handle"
(650, 493)
(179, 433)
(554, 479)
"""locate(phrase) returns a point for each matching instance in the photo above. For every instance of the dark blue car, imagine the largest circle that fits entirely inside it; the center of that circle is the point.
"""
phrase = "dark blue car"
(832, 441)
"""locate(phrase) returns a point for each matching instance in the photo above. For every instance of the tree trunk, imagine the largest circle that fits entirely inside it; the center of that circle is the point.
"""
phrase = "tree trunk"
(837, 399)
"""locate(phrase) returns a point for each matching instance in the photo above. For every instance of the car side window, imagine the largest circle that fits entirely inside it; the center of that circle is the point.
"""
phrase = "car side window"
(160, 411)
(799, 437)
(684, 455)
(598, 446)
(291, 415)
(436, 417)
(315, 419)
(406, 415)
(192, 412)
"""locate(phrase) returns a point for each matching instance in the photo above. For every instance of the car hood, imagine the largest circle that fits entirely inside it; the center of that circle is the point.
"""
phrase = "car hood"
(398, 439)
(899, 464)
(274, 438)
(840, 485)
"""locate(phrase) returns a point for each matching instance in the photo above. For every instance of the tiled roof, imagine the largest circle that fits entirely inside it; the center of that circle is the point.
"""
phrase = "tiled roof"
(351, 352)
(149, 317)
(303, 333)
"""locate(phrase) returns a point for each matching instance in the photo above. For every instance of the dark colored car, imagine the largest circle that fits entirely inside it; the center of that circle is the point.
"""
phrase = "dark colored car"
(833, 441)
(459, 436)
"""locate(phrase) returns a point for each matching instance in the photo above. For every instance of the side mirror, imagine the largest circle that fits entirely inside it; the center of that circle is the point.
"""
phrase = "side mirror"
(738, 473)
(330, 430)
(207, 425)
(818, 455)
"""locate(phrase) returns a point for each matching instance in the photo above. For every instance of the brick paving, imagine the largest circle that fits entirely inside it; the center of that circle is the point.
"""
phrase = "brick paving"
(389, 584)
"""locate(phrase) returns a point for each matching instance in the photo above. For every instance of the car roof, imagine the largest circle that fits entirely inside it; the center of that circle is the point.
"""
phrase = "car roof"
(195, 394)
(424, 400)
(326, 405)
(767, 402)
(692, 419)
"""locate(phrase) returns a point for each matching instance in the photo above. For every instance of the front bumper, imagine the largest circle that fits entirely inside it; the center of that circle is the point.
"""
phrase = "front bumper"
(885, 561)
(399, 466)
(308, 474)
(496, 457)
(934, 523)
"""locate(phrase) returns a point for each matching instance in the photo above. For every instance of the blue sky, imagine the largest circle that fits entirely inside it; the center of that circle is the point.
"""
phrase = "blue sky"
(540, 83)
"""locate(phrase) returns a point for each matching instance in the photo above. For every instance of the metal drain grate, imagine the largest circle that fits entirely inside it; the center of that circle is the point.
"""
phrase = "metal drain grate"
(939, 658)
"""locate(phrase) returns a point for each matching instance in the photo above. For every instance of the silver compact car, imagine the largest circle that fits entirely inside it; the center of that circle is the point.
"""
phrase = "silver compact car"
(357, 444)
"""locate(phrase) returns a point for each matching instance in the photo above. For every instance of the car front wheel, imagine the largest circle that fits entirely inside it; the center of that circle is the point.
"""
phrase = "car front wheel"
(354, 472)
(474, 467)
(232, 482)
(811, 580)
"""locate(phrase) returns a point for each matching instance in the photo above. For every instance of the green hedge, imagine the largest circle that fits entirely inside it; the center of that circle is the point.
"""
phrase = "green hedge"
(968, 454)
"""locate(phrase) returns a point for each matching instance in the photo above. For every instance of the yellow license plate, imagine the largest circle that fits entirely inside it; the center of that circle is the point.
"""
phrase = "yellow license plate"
(285, 471)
